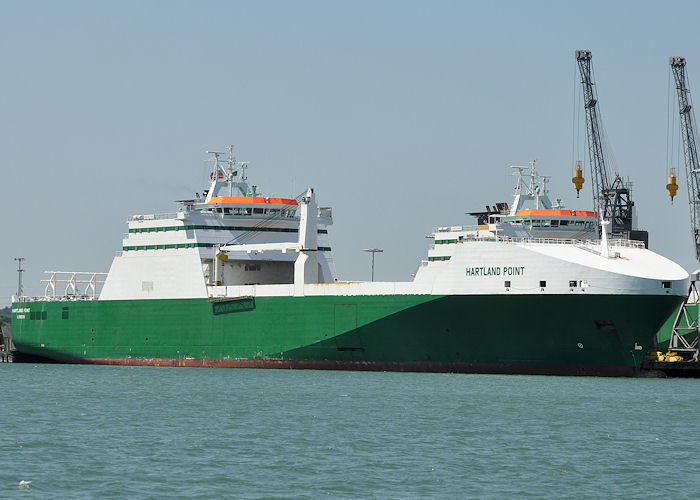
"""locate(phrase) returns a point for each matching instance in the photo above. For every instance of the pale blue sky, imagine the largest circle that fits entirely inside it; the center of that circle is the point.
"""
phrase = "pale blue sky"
(403, 115)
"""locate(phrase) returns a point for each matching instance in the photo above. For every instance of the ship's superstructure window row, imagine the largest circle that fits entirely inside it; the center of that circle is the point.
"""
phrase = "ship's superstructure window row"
(442, 257)
(553, 223)
(250, 210)
(445, 242)
(193, 227)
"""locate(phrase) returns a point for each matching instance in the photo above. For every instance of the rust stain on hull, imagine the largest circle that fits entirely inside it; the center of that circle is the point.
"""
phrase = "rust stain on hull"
(390, 366)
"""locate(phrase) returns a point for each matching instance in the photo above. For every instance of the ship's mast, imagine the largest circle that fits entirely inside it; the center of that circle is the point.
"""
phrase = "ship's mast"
(533, 191)
(231, 162)
(214, 175)
(20, 288)
(233, 176)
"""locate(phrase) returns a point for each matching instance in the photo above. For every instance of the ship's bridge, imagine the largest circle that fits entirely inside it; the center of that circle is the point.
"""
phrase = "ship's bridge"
(578, 220)
(250, 206)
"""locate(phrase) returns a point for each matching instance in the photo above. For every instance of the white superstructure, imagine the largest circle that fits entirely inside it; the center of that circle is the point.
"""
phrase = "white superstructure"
(532, 209)
(231, 241)
(498, 259)
(180, 255)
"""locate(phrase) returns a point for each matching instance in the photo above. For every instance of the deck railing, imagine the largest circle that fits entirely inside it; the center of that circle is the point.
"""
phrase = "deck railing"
(152, 217)
(588, 244)
(79, 285)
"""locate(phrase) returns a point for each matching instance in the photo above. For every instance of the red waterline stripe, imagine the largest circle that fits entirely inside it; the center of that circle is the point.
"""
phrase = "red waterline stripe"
(392, 366)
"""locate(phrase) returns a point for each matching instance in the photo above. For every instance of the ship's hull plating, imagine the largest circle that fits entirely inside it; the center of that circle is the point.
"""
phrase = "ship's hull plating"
(536, 334)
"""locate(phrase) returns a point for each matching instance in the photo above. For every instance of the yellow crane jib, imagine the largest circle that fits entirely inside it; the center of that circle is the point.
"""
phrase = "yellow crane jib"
(578, 179)
(672, 186)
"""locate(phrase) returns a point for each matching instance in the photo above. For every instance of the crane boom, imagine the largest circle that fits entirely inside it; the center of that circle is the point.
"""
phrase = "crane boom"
(612, 200)
(684, 333)
(690, 152)
(593, 126)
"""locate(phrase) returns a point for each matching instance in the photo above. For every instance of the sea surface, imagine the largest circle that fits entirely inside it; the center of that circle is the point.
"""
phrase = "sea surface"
(110, 432)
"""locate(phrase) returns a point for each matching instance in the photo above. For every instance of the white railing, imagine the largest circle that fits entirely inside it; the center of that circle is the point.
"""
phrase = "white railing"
(152, 217)
(454, 229)
(74, 281)
(616, 243)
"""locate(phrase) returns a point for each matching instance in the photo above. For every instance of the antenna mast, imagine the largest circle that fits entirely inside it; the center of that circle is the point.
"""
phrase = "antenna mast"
(20, 288)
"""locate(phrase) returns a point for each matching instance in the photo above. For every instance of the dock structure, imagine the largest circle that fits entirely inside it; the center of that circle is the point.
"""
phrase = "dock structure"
(6, 346)
(671, 369)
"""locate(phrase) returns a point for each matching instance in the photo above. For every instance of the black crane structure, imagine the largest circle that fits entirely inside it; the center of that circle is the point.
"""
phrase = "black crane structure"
(684, 334)
(690, 152)
(612, 200)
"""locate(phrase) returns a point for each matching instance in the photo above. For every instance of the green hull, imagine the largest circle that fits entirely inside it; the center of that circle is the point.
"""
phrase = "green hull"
(542, 334)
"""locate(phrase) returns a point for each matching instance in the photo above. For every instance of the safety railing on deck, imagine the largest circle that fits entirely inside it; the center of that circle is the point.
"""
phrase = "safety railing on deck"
(586, 244)
(152, 217)
(79, 285)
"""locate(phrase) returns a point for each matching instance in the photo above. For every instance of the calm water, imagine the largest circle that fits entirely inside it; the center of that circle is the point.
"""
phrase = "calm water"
(88, 431)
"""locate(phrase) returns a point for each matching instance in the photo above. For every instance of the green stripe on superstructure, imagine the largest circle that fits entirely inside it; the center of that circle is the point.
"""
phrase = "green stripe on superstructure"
(185, 245)
(169, 246)
(192, 227)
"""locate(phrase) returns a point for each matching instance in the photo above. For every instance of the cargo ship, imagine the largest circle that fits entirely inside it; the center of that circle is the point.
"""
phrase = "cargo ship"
(238, 279)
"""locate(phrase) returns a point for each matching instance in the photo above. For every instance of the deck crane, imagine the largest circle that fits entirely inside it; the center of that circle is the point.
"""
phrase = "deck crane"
(684, 335)
(612, 200)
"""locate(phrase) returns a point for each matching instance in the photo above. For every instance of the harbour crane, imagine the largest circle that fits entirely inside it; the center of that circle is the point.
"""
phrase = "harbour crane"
(684, 335)
(612, 200)
(690, 152)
